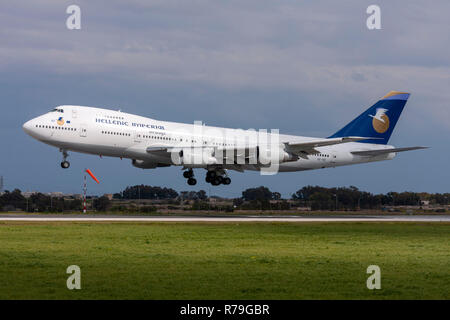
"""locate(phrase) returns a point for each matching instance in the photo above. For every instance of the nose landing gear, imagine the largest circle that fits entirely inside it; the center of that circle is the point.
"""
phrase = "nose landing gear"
(65, 164)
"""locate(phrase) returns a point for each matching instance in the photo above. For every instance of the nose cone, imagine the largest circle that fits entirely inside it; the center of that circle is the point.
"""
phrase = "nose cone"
(27, 127)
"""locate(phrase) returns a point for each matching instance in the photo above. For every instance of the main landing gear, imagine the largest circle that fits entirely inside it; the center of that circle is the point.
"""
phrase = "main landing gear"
(65, 164)
(216, 178)
(189, 175)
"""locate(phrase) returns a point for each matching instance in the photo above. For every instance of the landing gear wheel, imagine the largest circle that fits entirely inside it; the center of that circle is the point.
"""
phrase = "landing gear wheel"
(211, 175)
(188, 174)
(226, 181)
(65, 164)
(216, 181)
(208, 179)
(192, 181)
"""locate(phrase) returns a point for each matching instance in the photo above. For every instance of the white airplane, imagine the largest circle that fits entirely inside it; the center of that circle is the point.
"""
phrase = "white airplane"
(150, 143)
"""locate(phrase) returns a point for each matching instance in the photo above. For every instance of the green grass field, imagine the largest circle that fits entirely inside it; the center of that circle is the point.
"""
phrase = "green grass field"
(224, 261)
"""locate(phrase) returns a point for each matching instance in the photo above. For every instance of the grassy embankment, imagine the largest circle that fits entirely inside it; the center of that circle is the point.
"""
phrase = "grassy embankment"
(224, 261)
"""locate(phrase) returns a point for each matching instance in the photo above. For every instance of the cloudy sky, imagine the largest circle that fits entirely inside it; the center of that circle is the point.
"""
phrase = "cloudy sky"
(304, 67)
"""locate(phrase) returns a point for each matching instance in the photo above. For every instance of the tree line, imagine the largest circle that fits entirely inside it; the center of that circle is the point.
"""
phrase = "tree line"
(37, 202)
(343, 198)
(260, 198)
(146, 192)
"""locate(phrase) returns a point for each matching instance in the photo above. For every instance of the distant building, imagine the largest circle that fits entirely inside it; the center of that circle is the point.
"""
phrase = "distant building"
(108, 195)
(425, 202)
(28, 194)
(55, 194)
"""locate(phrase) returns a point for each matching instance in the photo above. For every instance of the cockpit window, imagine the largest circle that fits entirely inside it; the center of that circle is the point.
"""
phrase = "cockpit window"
(57, 110)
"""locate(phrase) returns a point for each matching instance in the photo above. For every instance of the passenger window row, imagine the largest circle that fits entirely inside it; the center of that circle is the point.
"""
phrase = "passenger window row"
(158, 137)
(116, 133)
(163, 138)
(114, 117)
(175, 139)
(55, 127)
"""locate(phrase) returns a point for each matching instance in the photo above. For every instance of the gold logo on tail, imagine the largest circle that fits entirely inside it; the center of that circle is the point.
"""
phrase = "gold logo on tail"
(380, 121)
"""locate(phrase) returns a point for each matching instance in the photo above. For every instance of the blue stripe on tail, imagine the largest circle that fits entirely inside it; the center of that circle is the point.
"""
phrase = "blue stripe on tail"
(378, 121)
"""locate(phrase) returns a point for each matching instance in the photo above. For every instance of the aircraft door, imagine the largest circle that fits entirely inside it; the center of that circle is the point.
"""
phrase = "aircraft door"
(137, 137)
(332, 158)
(83, 130)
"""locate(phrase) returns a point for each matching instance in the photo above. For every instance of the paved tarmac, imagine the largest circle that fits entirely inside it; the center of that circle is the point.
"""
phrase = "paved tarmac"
(217, 218)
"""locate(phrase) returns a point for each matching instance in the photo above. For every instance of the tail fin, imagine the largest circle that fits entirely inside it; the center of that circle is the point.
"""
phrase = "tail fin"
(378, 121)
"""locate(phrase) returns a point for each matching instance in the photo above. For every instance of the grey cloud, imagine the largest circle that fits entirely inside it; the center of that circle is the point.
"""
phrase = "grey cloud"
(305, 67)
(307, 46)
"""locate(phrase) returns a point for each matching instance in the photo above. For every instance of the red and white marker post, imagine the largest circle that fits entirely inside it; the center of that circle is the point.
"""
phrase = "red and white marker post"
(85, 186)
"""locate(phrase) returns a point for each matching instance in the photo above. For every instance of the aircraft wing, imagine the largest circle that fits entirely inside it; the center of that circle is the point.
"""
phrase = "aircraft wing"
(302, 149)
(385, 151)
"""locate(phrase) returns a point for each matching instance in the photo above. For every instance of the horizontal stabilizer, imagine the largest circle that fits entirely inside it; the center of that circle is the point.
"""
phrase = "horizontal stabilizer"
(385, 151)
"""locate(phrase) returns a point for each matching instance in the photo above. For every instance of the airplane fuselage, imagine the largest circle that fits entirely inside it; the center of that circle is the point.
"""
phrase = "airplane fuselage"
(118, 134)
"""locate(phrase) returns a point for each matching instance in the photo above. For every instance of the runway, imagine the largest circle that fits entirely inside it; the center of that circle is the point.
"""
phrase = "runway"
(241, 218)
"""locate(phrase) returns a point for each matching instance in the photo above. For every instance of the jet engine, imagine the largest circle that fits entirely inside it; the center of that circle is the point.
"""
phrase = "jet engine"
(268, 155)
(143, 164)
(197, 156)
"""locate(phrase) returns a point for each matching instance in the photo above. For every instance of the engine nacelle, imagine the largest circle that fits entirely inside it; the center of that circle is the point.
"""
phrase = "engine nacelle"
(268, 155)
(144, 164)
(200, 157)
(196, 156)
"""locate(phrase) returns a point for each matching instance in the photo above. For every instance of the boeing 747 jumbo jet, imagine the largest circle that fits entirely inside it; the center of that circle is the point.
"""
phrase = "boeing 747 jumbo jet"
(151, 143)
